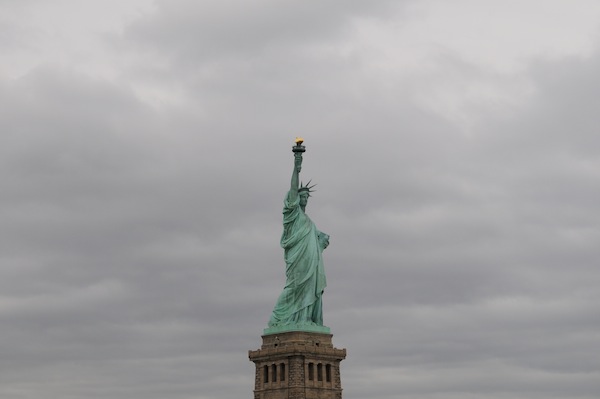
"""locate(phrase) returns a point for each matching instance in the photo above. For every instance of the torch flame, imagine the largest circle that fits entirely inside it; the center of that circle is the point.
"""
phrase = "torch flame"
(299, 140)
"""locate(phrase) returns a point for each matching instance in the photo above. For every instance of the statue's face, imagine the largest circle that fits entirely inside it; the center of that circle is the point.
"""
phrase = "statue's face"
(303, 198)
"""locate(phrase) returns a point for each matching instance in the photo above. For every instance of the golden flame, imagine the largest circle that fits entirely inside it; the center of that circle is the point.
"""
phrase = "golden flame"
(299, 140)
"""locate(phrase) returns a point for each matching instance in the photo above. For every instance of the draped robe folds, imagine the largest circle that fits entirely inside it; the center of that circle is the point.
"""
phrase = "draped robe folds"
(300, 302)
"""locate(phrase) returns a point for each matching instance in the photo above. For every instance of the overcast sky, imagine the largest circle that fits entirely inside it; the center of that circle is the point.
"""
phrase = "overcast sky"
(145, 150)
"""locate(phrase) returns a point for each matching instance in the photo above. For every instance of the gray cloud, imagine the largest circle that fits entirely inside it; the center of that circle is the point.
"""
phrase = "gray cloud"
(231, 29)
(140, 251)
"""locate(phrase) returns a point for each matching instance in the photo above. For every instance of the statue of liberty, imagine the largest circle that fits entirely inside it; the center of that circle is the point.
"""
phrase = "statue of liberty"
(300, 307)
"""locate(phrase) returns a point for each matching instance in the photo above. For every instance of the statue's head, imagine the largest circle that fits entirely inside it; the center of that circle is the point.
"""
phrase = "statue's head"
(303, 198)
(304, 193)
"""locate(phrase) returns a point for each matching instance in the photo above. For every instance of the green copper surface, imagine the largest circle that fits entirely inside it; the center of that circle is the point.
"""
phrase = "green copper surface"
(296, 327)
(300, 307)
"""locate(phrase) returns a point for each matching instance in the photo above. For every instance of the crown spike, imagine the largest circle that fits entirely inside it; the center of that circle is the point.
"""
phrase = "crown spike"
(306, 187)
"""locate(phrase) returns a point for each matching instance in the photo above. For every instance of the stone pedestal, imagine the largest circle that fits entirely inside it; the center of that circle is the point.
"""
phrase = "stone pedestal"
(297, 365)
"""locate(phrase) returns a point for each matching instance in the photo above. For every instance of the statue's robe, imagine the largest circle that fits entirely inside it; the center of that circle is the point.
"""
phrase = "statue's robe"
(300, 302)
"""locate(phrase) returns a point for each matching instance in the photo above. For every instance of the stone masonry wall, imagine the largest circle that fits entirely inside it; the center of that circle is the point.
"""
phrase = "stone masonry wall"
(298, 351)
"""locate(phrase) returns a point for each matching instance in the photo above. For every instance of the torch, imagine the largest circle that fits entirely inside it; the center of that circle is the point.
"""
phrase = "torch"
(298, 148)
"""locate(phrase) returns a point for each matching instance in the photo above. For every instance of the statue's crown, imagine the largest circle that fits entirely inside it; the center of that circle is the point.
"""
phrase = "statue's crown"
(306, 187)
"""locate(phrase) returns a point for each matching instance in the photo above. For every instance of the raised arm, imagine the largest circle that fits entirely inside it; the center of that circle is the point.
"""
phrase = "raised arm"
(295, 176)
